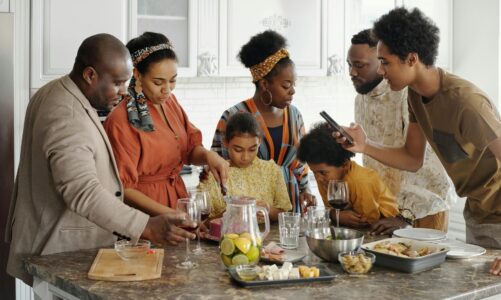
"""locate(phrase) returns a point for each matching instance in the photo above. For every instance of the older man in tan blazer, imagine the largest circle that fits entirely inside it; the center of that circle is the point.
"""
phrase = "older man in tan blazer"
(68, 194)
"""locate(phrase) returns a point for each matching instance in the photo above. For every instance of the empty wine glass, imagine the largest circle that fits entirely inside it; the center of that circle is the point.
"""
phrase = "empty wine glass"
(201, 196)
(338, 196)
(190, 207)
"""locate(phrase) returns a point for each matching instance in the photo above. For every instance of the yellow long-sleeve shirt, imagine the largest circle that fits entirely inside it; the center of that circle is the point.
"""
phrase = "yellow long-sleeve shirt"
(369, 196)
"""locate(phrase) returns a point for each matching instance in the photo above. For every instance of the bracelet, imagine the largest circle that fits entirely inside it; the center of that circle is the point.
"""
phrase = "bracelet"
(407, 216)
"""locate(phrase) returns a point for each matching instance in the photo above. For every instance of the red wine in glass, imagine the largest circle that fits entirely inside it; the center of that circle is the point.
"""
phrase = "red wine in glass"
(190, 229)
(338, 203)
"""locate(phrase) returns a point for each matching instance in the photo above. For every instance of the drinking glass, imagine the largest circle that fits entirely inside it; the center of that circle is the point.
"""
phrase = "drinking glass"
(288, 224)
(337, 196)
(201, 196)
(191, 208)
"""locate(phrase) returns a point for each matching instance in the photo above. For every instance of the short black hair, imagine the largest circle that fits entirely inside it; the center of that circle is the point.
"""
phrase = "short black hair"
(365, 36)
(262, 45)
(318, 146)
(98, 51)
(149, 39)
(242, 123)
(404, 31)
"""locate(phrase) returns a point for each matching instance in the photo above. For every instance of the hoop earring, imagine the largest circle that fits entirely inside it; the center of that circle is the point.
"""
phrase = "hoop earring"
(271, 98)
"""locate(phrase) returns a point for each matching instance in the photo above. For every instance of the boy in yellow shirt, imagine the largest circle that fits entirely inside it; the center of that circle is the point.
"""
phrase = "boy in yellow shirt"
(370, 198)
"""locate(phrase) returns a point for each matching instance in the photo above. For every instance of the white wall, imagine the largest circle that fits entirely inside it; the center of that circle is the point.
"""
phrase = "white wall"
(476, 44)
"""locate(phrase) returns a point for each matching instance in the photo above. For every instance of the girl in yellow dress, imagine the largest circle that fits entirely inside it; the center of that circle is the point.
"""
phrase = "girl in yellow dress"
(248, 175)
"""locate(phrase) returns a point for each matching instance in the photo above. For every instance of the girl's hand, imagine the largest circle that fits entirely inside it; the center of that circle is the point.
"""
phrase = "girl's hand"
(218, 167)
(263, 204)
(359, 138)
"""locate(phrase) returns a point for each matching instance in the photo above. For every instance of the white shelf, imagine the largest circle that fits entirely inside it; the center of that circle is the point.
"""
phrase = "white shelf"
(169, 18)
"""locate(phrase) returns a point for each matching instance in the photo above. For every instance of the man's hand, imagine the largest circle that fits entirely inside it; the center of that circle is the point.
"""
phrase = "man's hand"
(359, 138)
(218, 167)
(164, 229)
(350, 218)
(387, 225)
(496, 266)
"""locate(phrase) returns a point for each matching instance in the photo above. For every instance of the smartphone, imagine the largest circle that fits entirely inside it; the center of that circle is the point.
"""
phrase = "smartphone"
(336, 127)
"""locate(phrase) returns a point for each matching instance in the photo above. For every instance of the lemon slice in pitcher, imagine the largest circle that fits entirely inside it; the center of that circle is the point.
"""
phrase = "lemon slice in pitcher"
(253, 254)
(227, 246)
(231, 236)
(243, 244)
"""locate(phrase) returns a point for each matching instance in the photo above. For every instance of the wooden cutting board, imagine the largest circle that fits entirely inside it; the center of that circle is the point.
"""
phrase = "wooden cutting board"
(109, 266)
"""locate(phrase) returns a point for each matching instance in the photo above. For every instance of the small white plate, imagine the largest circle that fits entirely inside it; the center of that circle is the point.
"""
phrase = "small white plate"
(460, 250)
(421, 234)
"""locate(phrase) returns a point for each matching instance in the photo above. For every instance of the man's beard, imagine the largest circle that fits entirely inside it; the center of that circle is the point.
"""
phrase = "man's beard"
(368, 86)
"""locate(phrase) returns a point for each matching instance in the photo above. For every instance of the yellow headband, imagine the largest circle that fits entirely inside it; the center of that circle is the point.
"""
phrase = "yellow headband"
(263, 68)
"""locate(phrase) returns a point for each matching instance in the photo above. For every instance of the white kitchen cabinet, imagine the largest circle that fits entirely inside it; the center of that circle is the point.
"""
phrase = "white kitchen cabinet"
(58, 27)
(207, 35)
(176, 19)
(4, 6)
(304, 27)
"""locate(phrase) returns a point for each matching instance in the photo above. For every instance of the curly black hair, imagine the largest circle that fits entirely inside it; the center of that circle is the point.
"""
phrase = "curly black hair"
(148, 39)
(262, 45)
(365, 36)
(404, 31)
(242, 123)
(318, 146)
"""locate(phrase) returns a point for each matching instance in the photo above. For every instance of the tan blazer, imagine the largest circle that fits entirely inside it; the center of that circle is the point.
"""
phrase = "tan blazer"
(67, 195)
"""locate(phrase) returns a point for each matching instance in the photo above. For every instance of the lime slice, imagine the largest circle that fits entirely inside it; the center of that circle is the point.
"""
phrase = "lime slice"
(226, 260)
(253, 254)
(259, 242)
(227, 246)
(231, 236)
(243, 244)
(240, 259)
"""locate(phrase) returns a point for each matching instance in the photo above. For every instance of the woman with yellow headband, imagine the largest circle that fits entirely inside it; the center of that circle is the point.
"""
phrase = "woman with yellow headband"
(274, 77)
(151, 134)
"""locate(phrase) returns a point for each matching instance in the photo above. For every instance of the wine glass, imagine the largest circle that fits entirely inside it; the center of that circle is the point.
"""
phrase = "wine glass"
(190, 207)
(201, 196)
(338, 196)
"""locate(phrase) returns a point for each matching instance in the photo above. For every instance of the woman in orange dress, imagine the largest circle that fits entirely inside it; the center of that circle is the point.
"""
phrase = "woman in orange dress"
(151, 135)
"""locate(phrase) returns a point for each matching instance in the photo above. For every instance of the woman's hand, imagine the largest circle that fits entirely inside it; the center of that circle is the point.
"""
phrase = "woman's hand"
(307, 199)
(218, 167)
(359, 138)
(496, 266)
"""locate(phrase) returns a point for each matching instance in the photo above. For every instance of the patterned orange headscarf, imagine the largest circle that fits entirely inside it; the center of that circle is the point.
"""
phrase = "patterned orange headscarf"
(263, 68)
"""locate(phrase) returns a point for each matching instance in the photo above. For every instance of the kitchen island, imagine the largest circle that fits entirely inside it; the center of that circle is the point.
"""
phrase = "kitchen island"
(65, 275)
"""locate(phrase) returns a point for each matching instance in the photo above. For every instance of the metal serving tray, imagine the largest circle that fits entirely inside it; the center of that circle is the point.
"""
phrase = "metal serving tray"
(325, 276)
(408, 264)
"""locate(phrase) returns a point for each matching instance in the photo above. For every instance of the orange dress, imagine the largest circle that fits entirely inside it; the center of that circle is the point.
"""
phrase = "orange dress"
(150, 162)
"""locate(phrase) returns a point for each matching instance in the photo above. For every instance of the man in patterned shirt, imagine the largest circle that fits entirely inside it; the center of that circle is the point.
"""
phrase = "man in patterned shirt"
(383, 113)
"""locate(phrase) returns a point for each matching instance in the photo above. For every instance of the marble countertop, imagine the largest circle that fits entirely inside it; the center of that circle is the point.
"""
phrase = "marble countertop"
(454, 279)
